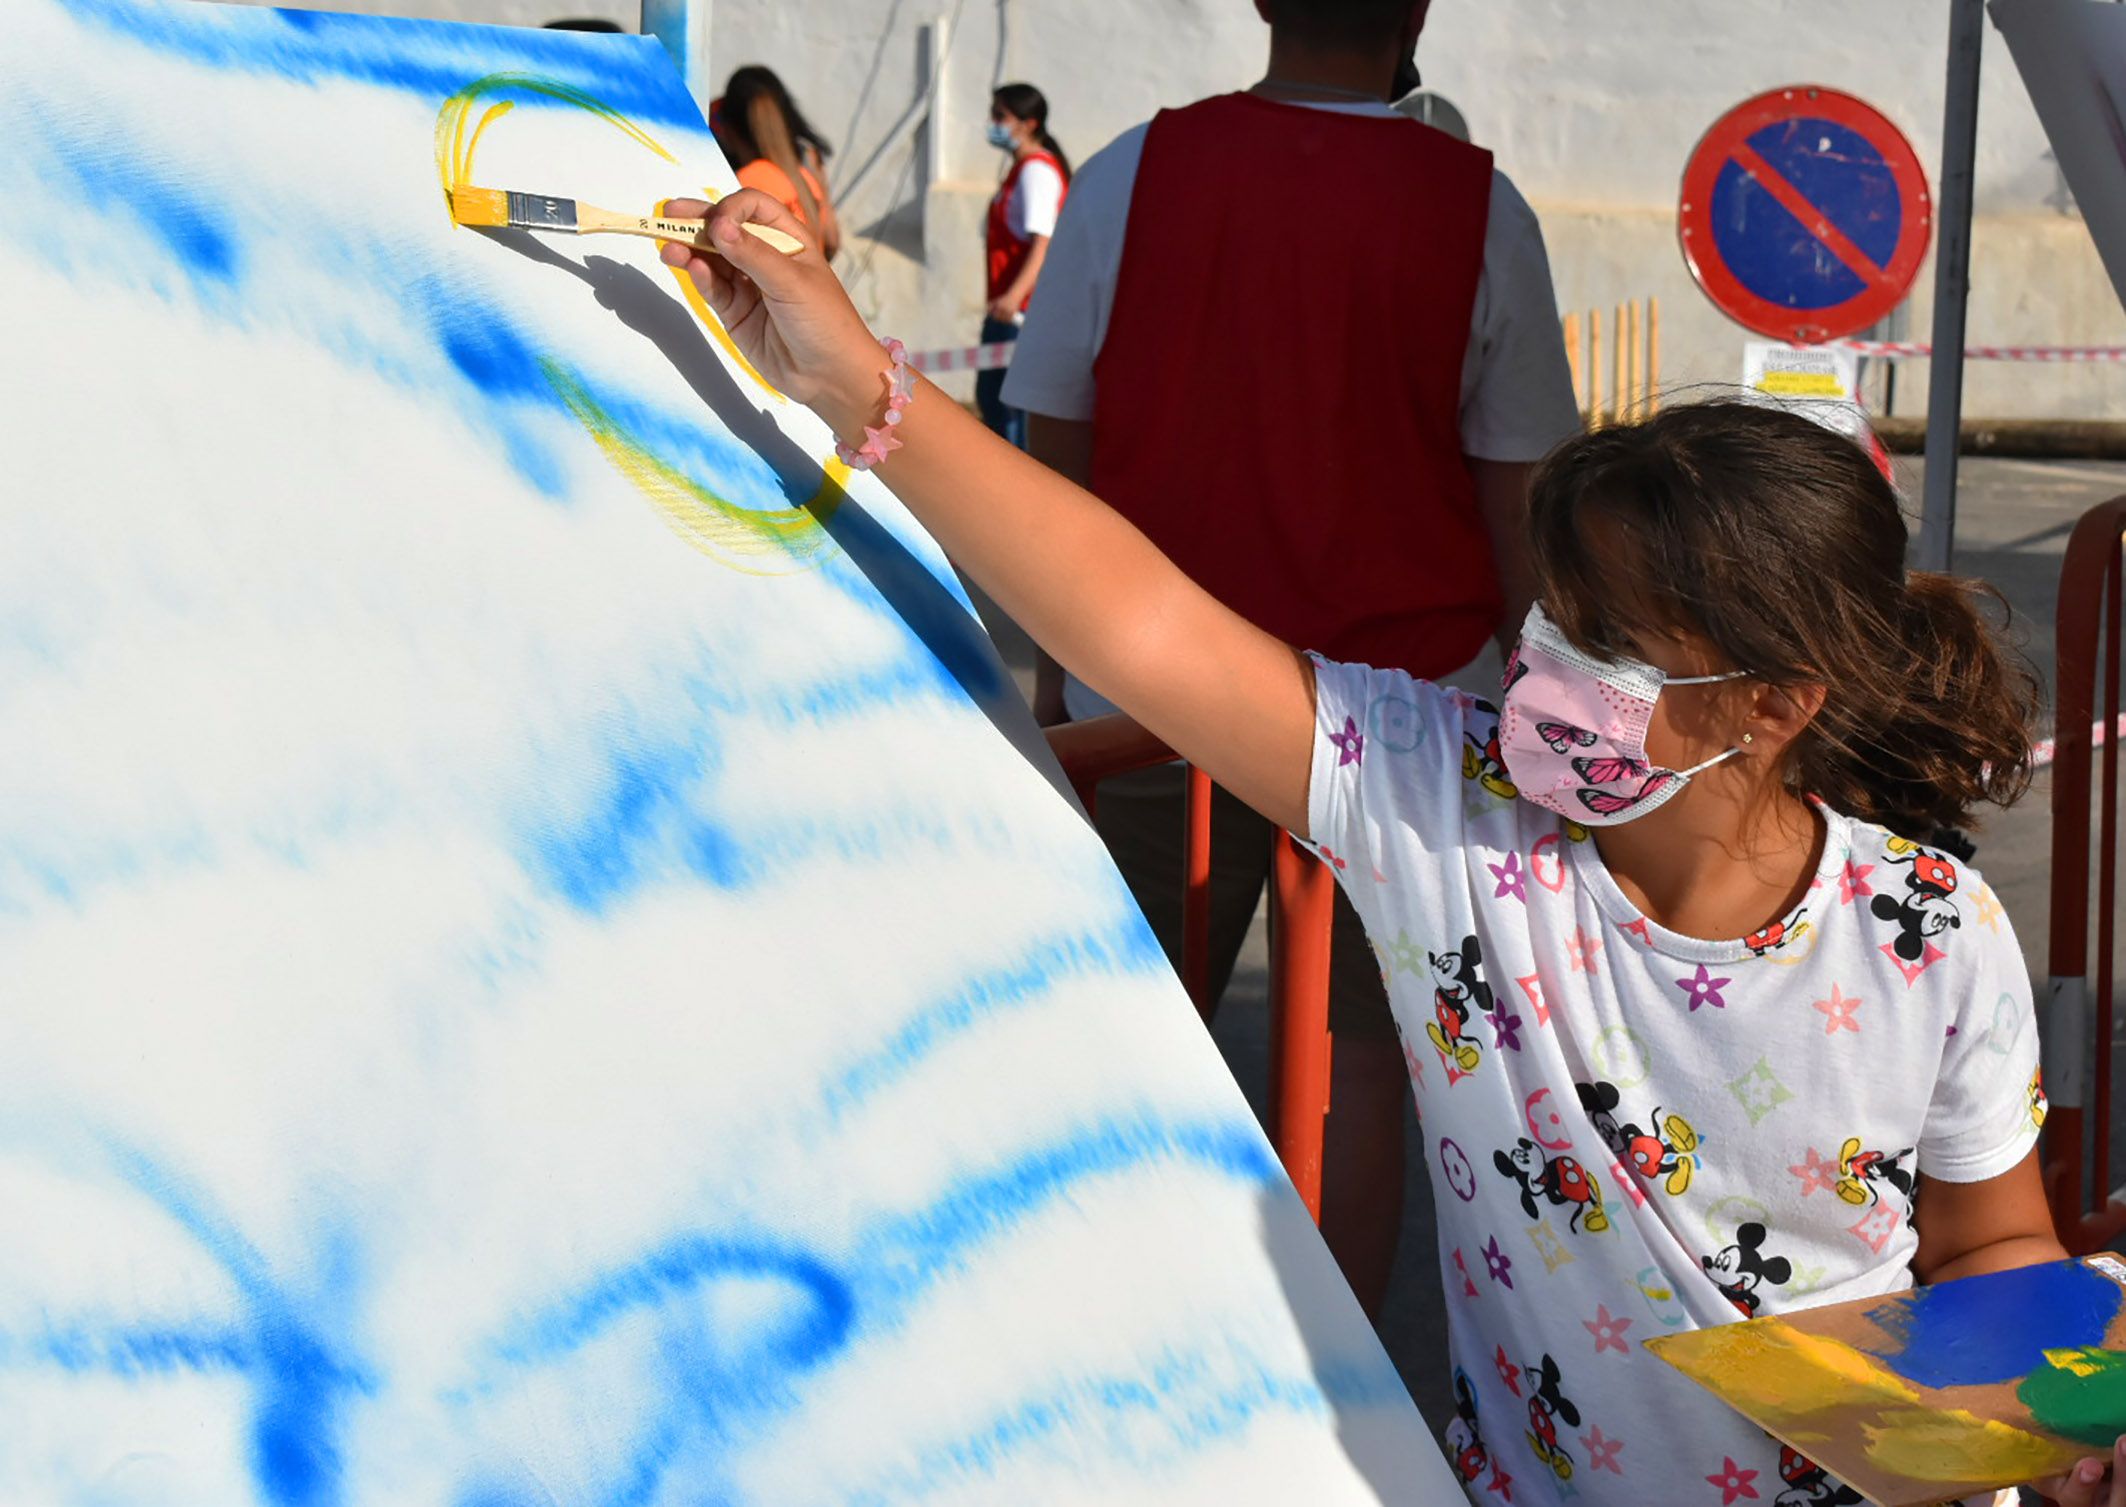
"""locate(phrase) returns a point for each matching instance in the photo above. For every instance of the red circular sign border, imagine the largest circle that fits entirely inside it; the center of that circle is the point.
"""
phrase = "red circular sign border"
(1694, 217)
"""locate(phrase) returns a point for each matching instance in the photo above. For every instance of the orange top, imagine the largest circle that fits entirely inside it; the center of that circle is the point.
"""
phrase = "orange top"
(764, 175)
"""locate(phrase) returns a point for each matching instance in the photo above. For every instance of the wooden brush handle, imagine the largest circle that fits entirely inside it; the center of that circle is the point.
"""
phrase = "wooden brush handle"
(591, 221)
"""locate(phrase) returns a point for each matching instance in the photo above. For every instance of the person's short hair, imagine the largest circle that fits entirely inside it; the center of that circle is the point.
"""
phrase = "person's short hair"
(1356, 24)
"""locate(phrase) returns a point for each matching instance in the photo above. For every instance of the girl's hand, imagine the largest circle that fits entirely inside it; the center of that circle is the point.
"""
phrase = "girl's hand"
(2089, 1484)
(788, 314)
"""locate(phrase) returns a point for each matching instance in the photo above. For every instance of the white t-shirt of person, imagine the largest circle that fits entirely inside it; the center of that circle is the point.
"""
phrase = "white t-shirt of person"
(1516, 394)
(1632, 1132)
(1036, 201)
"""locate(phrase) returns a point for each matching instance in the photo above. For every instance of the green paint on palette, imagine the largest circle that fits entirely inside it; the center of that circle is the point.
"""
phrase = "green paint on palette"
(2079, 1394)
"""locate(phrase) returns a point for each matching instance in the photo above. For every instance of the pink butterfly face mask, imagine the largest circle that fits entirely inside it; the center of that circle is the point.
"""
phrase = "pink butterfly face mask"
(1572, 730)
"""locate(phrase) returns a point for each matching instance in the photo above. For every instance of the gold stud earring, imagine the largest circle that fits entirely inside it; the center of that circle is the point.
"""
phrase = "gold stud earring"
(1748, 738)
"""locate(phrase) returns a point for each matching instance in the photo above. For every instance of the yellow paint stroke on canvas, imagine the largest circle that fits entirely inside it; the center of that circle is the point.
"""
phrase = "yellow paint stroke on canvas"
(759, 542)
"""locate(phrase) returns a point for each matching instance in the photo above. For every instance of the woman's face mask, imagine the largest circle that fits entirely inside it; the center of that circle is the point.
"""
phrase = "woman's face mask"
(1572, 729)
(1000, 136)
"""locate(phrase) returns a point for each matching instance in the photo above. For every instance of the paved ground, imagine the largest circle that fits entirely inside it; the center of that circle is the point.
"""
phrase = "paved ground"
(2013, 525)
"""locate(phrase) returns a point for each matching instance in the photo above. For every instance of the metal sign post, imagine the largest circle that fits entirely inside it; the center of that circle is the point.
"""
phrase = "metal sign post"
(683, 27)
(1952, 284)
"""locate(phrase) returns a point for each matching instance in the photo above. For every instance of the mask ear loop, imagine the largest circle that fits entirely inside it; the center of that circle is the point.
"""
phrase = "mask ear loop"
(1685, 775)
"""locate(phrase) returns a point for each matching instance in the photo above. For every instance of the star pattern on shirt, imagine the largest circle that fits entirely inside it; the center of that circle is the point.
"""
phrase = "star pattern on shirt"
(1498, 1263)
(1734, 1482)
(1853, 881)
(1637, 927)
(1875, 1228)
(1608, 1331)
(1329, 857)
(1815, 1171)
(1582, 949)
(1505, 1030)
(1500, 1483)
(1409, 956)
(1912, 971)
(1468, 1282)
(1602, 1451)
(1838, 1012)
(1512, 878)
(1544, 1237)
(1350, 744)
(1532, 986)
(1704, 989)
(1508, 1372)
(1759, 1091)
(1987, 908)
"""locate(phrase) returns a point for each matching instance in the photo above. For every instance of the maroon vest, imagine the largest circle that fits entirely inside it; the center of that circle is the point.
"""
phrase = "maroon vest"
(1278, 397)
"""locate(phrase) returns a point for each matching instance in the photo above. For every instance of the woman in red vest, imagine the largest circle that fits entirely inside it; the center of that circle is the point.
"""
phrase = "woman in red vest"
(1022, 217)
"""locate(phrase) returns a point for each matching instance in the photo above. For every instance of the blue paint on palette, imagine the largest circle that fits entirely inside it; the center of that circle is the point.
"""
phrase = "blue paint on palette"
(430, 59)
(1994, 1328)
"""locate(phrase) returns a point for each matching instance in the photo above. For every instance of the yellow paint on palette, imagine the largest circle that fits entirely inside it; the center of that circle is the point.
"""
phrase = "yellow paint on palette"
(1767, 1365)
(1810, 1389)
(774, 542)
(1952, 1446)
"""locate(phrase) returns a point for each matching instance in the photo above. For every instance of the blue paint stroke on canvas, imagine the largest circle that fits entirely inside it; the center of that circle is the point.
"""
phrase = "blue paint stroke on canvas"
(427, 59)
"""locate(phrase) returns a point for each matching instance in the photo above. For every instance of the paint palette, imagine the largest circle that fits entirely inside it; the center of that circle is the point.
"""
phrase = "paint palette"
(1936, 1392)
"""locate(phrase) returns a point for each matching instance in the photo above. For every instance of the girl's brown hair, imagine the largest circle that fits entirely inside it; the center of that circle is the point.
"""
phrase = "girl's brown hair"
(1780, 543)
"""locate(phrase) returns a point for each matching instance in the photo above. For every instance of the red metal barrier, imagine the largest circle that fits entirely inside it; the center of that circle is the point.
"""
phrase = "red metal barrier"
(1302, 901)
(2078, 1144)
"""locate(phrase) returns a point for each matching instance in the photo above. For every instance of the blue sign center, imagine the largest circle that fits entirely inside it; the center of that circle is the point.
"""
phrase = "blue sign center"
(1770, 250)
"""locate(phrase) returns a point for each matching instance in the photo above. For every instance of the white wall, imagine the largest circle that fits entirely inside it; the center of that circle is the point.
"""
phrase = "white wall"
(1592, 109)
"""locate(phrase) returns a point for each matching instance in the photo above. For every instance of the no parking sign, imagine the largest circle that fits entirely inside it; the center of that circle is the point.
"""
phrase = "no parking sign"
(1805, 214)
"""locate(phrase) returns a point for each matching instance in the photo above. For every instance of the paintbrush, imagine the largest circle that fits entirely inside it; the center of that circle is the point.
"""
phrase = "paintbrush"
(495, 207)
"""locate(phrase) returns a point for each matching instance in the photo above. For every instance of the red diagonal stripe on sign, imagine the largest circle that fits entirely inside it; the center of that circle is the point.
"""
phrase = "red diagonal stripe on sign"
(1791, 200)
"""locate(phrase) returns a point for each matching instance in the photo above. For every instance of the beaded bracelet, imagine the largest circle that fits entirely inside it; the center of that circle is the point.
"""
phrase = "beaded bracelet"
(900, 392)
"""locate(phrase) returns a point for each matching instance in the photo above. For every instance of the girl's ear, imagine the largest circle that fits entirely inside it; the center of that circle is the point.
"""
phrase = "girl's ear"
(1777, 715)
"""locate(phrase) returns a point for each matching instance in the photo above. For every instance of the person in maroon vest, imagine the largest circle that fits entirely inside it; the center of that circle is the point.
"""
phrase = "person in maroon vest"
(1336, 442)
(1022, 218)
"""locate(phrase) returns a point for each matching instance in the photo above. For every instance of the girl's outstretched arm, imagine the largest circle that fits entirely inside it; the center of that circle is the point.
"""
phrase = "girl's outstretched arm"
(1077, 576)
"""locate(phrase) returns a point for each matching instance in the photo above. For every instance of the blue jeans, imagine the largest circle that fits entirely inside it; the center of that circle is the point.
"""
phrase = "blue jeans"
(989, 388)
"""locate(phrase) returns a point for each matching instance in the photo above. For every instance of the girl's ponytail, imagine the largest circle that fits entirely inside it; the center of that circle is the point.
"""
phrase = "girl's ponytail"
(1951, 727)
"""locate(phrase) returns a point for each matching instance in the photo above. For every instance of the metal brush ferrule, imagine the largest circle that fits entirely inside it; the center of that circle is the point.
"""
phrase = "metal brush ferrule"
(538, 212)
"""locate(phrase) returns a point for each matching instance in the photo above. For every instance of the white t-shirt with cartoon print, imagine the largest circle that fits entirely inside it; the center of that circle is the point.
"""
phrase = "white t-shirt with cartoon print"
(1633, 1132)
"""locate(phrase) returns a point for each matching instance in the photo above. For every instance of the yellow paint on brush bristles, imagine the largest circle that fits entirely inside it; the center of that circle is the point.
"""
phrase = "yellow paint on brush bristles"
(482, 207)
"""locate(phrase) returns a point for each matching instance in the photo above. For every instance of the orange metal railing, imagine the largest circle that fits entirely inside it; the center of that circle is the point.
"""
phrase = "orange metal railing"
(2077, 1047)
(1302, 900)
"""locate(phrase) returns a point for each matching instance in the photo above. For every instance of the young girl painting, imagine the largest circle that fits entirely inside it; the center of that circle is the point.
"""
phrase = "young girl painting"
(1698, 1028)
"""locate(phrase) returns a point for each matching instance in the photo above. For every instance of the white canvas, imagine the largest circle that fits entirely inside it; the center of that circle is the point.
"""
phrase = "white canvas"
(532, 970)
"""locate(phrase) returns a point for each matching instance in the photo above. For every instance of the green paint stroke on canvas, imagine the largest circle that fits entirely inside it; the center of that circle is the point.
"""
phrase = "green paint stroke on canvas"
(2079, 1394)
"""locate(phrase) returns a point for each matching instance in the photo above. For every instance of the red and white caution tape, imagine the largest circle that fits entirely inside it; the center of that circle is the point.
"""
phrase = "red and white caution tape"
(962, 358)
(2044, 752)
(1901, 350)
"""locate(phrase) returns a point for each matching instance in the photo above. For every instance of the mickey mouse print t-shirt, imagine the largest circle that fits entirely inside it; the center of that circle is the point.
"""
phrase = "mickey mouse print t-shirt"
(1633, 1132)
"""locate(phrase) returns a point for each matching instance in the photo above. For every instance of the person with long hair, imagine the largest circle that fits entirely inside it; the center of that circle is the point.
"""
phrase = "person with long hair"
(1022, 217)
(1700, 1024)
(774, 148)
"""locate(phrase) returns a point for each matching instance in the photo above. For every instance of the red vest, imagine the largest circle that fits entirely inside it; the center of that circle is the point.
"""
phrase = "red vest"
(1278, 397)
(1008, 253)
